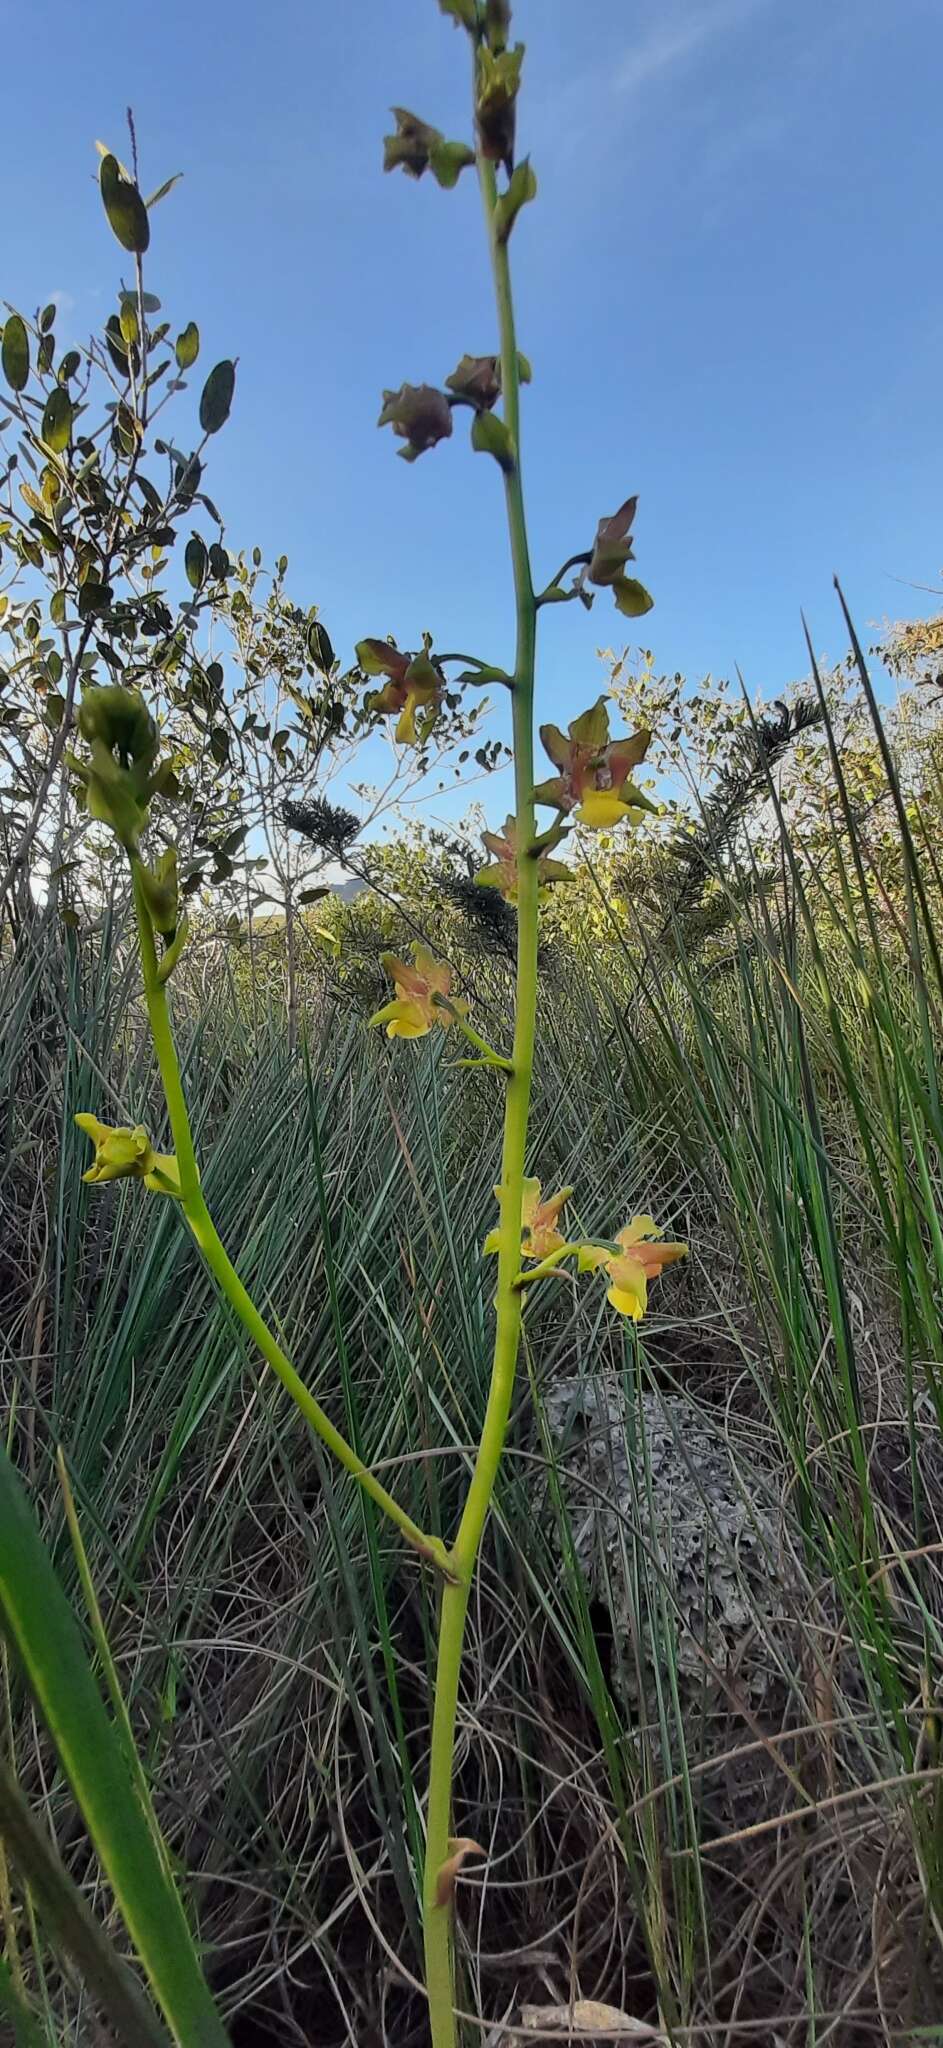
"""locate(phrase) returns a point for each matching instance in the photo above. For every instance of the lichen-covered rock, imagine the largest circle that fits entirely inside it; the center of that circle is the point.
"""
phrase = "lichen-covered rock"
(658, 1496)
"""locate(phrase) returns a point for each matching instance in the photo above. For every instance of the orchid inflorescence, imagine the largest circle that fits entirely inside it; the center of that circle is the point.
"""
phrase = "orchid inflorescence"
(592, 788)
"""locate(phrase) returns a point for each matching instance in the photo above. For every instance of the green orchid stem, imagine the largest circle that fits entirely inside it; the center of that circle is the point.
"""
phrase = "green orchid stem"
(554, 835)
(217, 1258)
(529, 1274)
(490, 1058)
(487, 672)
(437, 1922)
(551, 594)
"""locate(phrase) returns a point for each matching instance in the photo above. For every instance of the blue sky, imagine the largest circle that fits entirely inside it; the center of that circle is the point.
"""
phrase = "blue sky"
(729, 288)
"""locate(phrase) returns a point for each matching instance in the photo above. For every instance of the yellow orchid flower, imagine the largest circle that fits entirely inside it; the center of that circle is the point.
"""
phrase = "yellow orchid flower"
(539, 1233)
(414, 684)
(594, 780)
(414, 1009)
(630, 1270)
(125, 1154)
(502, 873)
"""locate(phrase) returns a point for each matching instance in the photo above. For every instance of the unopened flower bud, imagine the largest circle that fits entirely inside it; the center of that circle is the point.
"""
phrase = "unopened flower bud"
(120, 718)
(416, 147)
(477, 378)
(497, 23)
(119, 775)
(125, 1154)
(419, 414)
(498, 83)
(159, 885)
(411, 145)
(464, 12)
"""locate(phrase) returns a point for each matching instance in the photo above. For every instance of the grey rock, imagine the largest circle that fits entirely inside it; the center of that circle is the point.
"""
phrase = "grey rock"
(672, 1522)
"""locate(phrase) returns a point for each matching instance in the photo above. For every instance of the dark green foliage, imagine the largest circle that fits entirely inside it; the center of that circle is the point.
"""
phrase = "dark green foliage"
(325, 825)
(127, 213)
(15, 353)
(217, 397)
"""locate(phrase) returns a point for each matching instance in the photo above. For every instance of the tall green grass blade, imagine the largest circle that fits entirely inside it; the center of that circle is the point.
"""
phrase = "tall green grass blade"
(26, 2030)
(40, 1623)
(71, 1923)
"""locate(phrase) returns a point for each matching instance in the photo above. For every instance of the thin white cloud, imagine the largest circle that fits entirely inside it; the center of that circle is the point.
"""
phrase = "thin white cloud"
(670, 42)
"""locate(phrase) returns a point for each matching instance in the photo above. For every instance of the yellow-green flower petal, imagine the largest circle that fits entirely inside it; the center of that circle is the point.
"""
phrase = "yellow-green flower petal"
(640, 1226)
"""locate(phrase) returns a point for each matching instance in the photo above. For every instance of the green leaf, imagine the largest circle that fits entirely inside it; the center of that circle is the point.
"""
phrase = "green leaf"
(116, 345)
(57, 420)
(187, 346)
(127, 213)
(196, 561)
(46, 318)
(162, 190)
(524, 371)
(69, 364)
(319, 647)
(463, 11)
(15, 353)
(217, 397)
(489, 436)
(219, 561)
(39, 1622)
(523, 187)
(312, 895)
(93, 597)
(631, 597)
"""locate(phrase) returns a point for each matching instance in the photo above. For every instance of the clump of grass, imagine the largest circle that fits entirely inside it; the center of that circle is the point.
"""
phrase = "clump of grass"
(745, 1862)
